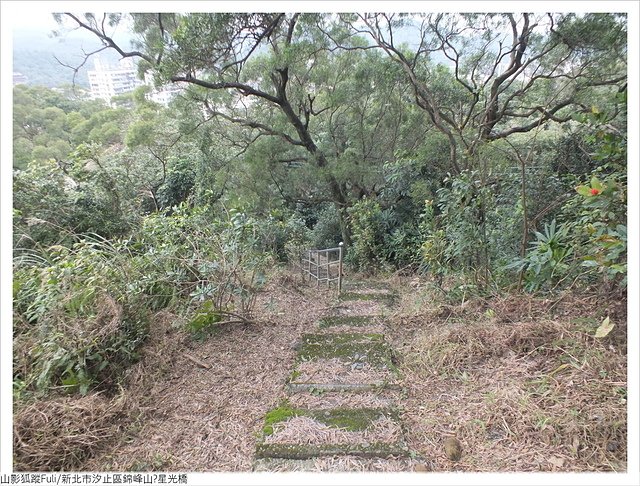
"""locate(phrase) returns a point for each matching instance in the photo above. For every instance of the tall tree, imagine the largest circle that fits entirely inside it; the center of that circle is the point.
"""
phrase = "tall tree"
(213, 50)
(280, 79)
(507, 73)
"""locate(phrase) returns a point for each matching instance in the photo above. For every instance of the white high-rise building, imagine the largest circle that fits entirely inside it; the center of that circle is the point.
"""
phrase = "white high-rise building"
(107, 81)
(162, 94)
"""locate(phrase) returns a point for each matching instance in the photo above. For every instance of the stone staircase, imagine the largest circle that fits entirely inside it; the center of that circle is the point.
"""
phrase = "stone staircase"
(343, 390)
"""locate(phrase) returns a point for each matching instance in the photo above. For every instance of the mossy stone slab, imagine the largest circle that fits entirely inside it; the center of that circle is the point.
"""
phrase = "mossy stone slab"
(270, 464)
(355, 321)
(387, 299)
(364, 285)
(351, 419)
(308, 451)
(299, 387)
(345, 346)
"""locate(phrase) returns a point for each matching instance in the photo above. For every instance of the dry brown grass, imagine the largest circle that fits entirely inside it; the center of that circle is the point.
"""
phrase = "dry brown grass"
(306, 430)
(538, 393)
(59, 434)
(195, 419)
(336, 371)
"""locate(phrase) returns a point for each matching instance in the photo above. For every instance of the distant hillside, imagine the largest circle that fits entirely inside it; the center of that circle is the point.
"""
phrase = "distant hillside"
(35, 52)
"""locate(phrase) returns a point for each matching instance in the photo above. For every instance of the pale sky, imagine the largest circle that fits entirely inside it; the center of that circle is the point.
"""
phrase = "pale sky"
(36, 20)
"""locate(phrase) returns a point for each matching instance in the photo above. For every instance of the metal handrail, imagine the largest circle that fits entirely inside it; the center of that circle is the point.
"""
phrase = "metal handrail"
(312, 265)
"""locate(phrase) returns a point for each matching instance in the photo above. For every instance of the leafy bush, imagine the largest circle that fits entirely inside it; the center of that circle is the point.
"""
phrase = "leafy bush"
(77, 324)
(368, 229)
(547, 260)
(204, 257)
(285, 237)
(602, 227)
(402, 245)
(459, 237)
(203, 321)
(82, 312)
(326, 231)
(179, 183)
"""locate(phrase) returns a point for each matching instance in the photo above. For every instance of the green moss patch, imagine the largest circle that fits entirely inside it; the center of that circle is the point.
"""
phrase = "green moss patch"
(350, 419)
(280, 414)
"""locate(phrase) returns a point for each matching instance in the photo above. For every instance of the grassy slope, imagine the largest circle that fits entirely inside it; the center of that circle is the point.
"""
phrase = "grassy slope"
(520, 381)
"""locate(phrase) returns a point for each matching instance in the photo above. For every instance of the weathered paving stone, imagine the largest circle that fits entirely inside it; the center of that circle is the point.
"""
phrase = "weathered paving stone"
(388, 299)
(364, 285)
(353, 420)
(334, 464)
(337, 356)
(346, 346)
(355, 321)
(299, 387)
(305, 451)
(345, 399)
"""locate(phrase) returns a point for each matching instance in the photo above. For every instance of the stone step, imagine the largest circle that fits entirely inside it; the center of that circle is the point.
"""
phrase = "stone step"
(342, 362)
(385, 298)
(383, 398)
(347, 347)
(335, 464)
(307, 433)
(365, 285)
(354, 321)
(314, 387)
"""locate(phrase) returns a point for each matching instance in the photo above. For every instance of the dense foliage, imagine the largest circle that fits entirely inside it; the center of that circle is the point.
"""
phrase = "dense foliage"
(488, 154)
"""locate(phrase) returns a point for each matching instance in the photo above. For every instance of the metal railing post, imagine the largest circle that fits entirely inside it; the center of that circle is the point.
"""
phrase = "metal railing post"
(327, 268)
(340, 267)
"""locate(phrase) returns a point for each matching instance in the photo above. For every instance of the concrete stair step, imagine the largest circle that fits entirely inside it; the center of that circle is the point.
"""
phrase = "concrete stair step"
(353, 321)
(344, 361)
(291, 433)
(336, 464)
(347, 346)
(386, 298)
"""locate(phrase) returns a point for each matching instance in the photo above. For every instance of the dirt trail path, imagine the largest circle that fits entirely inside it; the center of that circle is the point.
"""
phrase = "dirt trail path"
(341, 413)
(207, 420)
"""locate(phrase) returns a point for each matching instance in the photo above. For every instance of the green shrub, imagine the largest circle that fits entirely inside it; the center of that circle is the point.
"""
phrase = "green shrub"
(602, 228)
(548, 259)
(205, 257)
(367, 231)
(80, 325)
(82, 312)
(326, 232)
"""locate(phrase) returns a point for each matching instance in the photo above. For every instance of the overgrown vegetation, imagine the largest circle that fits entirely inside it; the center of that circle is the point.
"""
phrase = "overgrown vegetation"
(497, 165)
(510, 373)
